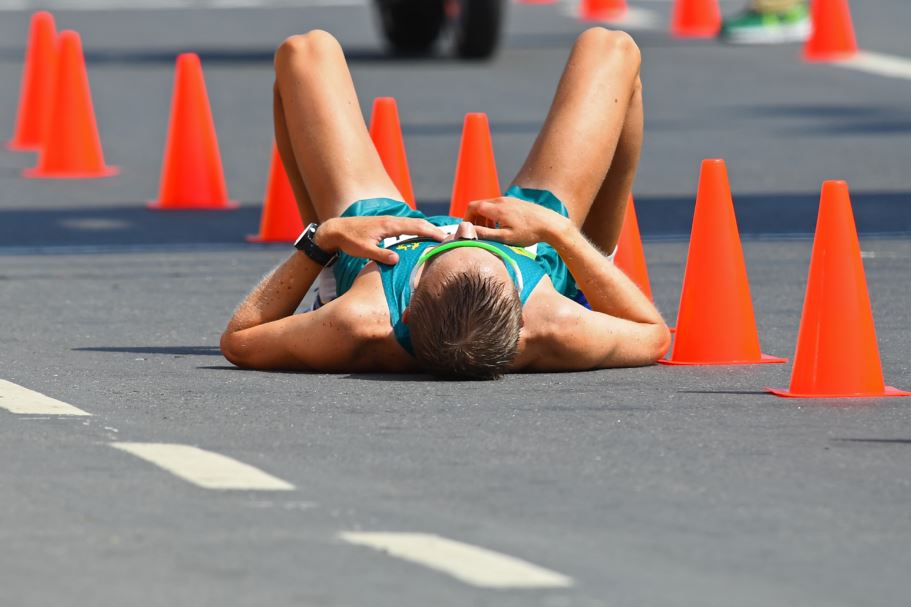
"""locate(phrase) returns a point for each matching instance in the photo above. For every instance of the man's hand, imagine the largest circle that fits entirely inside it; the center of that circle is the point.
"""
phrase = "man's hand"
(359, 236)
(519, 222)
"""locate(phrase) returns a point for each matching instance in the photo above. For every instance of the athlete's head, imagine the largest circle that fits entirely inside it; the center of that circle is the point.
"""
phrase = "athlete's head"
(465, 314)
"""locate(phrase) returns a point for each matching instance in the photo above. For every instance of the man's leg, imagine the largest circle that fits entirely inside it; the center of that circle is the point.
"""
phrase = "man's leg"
(588, 149)
(320, 131)
(286, 153)
(605, 218)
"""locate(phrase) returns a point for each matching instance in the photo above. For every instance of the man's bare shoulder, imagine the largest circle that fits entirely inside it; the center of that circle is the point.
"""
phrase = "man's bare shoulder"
(363, 307)
(545, 316)
(365, 300)
(565, 336)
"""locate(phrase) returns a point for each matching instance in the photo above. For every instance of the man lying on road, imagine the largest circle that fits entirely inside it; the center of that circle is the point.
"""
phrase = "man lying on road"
(455, 298)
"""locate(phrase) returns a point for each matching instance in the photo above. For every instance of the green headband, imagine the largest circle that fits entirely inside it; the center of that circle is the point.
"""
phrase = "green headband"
(511, 266)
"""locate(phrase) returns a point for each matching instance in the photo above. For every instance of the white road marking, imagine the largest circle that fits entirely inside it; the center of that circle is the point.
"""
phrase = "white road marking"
(890, 66)
(470, 564)
(639, 19)
(16, 399)
(635, 18)
(205, 468)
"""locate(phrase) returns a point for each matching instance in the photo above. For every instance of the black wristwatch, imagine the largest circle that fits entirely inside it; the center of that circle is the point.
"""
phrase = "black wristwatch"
(306, 244)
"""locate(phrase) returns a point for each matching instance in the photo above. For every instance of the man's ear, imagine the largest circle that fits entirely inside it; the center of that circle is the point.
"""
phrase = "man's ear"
(405, 315)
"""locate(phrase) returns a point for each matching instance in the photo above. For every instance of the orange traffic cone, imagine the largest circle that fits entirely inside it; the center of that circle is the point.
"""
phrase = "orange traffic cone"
(836, 355)
(387, 137)
(715, 321)
(191, 174)
(37, 83)
(602, 10)
(476, 171)
(280, 221)
(630, 256)
(833, 32)
(696, 19)
(71, 147)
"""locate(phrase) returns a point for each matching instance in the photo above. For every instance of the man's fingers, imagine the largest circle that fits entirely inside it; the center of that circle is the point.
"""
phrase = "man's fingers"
(484, 208)
(471, 211)
(478, 219)
(418, 227)
(492, 234)
(390, 258)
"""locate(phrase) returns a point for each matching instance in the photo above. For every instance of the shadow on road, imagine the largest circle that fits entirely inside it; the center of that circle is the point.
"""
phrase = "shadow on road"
(750, 392)
(783, 215)
(392, 377)
(881, 441)
(175, 350)
(833, 120)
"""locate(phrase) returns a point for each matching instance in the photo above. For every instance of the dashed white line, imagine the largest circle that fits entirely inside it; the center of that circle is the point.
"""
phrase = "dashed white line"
(470, 564)
(16, 399)
(205, 468)
(880, 64)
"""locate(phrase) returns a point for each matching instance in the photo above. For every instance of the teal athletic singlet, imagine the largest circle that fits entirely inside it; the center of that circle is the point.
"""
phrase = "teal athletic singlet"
(534, 262)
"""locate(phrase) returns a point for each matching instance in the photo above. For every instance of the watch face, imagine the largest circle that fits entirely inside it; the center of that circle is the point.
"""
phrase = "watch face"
(306, 238)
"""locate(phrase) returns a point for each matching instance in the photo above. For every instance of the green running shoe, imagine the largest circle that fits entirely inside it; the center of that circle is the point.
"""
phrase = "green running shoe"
(754, 27)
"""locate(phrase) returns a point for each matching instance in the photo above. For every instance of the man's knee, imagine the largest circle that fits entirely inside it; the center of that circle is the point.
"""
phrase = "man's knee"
(310, 49)
(609, 43)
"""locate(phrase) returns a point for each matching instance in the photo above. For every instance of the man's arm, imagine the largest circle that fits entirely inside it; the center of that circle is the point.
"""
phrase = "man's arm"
(252, 338)
(564, 336)
(263, 334)
(623, 329)
(606, 287)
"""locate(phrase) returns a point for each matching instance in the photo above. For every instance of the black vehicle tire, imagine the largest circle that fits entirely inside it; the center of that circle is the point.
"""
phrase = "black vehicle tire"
(412, 26)
(477, 28)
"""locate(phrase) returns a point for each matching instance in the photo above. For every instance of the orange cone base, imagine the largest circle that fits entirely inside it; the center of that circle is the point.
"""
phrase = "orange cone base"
(698, 32)
(829, 57)
(156, 205)
(14, 146)
(258, 239)
(608, 15)
(764, 359)
(36, 173)
(889, 391)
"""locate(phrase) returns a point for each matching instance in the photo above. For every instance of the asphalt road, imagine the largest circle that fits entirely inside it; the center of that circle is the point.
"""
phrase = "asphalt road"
(655, 486)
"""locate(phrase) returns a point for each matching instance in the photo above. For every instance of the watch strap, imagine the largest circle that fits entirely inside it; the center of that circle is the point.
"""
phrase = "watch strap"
(306, 244)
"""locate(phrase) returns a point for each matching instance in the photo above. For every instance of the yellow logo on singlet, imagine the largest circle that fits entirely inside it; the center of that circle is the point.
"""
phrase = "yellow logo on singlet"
(409, 246)
(522, 251)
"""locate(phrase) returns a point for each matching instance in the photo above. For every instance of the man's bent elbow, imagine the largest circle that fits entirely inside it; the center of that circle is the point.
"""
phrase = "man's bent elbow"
(227, 348)
(234, 350)
(661, 342)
